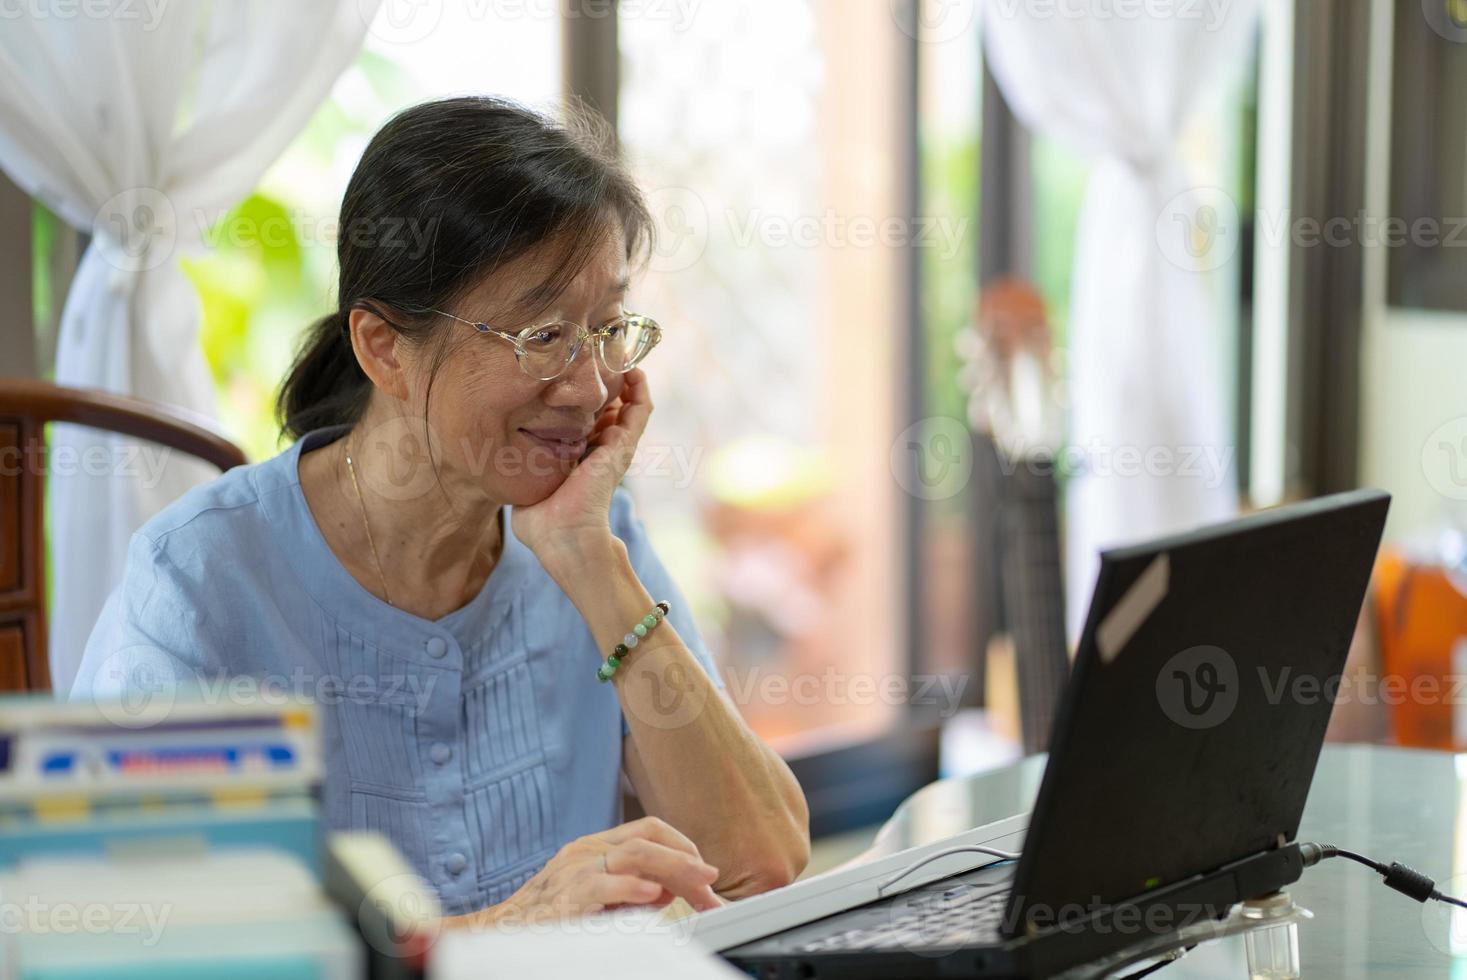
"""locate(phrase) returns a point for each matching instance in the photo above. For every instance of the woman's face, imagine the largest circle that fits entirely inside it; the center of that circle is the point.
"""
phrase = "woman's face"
(499, 434)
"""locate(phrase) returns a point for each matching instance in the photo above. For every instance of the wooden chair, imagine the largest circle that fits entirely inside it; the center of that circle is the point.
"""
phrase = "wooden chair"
(25, 408)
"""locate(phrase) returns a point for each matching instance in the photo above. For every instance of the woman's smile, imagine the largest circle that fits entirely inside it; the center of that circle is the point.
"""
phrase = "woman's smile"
(564, 442)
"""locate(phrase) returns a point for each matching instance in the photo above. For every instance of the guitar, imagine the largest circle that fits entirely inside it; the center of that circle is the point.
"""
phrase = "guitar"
(1012, 387)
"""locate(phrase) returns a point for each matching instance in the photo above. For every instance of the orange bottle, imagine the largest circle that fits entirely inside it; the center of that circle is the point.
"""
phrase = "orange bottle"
(1421, 615)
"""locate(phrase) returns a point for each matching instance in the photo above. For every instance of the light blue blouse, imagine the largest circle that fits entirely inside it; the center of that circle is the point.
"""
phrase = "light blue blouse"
(480, 743)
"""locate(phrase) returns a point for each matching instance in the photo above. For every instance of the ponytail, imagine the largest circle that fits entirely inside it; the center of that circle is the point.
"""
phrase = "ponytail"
(326, 385)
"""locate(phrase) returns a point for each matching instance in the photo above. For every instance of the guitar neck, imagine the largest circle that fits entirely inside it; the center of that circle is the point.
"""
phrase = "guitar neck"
(1033, 594)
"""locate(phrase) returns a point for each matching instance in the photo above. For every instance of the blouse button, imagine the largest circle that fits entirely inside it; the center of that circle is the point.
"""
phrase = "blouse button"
(440, 753)
(436, 647)
(456, 863)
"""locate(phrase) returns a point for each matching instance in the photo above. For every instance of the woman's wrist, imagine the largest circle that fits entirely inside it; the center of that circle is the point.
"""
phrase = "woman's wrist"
(584, 558)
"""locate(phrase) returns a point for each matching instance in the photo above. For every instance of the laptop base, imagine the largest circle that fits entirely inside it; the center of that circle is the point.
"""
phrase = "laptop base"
(1084, 937)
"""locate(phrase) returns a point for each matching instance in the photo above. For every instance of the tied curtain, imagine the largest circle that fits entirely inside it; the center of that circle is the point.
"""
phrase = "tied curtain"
(140, 127)
(1150, 447)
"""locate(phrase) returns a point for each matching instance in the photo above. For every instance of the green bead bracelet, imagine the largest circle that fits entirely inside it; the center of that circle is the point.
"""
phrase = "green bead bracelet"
(649, 622)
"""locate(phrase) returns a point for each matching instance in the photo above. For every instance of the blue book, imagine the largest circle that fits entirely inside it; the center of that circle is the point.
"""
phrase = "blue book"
(291, 825)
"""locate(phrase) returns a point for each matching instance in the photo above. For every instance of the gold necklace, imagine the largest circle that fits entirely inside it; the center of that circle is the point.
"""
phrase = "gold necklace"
(366, 526)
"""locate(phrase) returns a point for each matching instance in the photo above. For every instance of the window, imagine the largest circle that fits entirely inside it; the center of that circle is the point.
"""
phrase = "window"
(779, 281)
(1217, 150)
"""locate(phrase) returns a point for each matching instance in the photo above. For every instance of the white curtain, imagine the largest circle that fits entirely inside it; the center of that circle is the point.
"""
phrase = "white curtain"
(133, 122)
(1148, 427)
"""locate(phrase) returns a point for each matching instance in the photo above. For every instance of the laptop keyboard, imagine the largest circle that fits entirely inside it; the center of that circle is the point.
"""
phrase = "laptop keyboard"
(943, 915)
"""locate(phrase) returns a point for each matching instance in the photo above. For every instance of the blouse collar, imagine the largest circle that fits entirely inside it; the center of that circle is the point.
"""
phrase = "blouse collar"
(359, 611)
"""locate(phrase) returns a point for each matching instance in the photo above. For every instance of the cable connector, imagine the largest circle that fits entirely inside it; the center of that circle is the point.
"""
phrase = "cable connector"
(1407, 881)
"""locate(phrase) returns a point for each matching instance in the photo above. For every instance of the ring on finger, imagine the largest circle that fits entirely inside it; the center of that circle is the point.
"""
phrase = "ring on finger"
(604, 869)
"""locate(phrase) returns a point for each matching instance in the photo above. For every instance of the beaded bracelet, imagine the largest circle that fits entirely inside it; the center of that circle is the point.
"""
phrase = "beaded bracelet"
(649, 622)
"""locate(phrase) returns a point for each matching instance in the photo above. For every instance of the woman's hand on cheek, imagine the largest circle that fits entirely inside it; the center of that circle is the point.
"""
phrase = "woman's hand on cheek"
(576, 514)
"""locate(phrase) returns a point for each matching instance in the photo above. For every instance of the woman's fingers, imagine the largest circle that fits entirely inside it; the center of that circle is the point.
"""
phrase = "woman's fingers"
(645, 862)
(609, 413)
(606, 419)
(654, 829)
(636, 403)
(619, 428)
(622, 889)
(682, 874)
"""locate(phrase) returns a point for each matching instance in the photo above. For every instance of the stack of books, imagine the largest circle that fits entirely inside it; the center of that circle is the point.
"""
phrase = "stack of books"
(87, 778)
(184, 841)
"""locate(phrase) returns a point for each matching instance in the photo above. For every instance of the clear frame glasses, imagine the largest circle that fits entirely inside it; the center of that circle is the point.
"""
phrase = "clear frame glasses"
(547, 350)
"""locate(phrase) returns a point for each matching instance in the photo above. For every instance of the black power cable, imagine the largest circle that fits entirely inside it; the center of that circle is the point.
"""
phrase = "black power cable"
(1165, 961)
(1407, 881)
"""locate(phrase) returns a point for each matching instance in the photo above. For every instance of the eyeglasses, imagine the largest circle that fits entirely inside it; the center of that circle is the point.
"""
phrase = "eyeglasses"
(546, 351)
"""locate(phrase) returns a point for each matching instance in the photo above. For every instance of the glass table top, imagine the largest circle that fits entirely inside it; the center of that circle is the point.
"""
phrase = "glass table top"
(1386, 803)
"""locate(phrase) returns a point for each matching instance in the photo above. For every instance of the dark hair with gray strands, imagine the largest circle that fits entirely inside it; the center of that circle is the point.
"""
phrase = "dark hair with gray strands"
(446, 193)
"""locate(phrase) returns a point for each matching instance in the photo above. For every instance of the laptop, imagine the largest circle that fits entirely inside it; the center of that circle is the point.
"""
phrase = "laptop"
(1179, 765)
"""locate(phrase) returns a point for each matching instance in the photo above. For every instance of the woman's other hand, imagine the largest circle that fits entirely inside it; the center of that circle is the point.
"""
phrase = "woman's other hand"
(645, 862)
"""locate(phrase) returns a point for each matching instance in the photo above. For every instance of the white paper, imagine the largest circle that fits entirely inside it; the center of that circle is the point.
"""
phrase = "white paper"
(612, 947)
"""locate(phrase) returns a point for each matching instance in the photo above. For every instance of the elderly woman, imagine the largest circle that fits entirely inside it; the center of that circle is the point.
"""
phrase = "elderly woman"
(445, 557)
